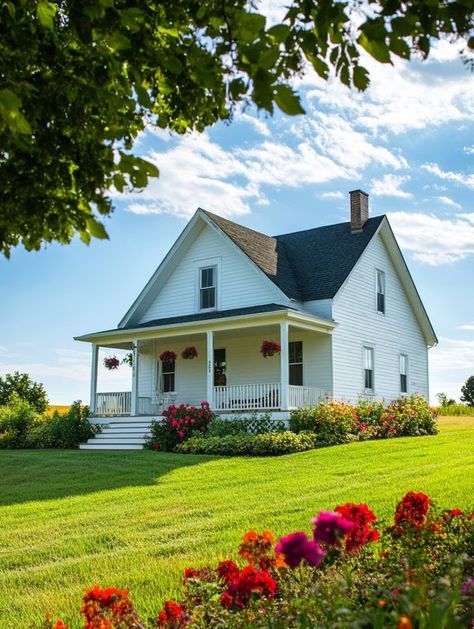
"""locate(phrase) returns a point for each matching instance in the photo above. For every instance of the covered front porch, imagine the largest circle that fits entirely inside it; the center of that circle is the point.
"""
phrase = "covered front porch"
(229, 371)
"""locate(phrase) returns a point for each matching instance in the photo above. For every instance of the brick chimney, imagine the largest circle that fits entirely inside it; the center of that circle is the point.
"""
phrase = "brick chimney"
(359, 210)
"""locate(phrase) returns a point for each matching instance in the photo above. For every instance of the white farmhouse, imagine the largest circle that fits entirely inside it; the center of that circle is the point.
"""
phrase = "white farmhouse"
(339, 300)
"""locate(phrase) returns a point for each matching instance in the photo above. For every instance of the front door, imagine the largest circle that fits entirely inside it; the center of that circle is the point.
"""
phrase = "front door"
(220, 368)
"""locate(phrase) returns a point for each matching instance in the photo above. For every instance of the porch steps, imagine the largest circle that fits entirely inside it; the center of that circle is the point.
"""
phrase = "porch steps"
(121, 434)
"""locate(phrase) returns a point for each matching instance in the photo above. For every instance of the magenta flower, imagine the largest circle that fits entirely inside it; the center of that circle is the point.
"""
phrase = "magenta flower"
(296, 547)
(467, 588)
(330, 527)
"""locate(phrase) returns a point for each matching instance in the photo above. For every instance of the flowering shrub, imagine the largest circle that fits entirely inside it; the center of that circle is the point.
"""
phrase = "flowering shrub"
(269, 348)
(337, 422)
(111, 362)
(168, 356)
(347, 575)
(189, 353)
(179, 423)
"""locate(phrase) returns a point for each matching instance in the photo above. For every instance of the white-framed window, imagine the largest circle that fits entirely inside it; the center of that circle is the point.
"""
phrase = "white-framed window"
(368, 372)
(295, 360)
(403, 363)
(166, 375)
(208, 288)
(380, 290)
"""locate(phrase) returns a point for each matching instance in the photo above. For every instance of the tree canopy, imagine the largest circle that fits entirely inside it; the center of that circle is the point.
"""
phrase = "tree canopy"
(22, 385)
(80, 79)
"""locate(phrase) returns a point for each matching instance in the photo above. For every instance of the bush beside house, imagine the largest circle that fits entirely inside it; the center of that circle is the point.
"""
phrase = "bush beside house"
(191, 430)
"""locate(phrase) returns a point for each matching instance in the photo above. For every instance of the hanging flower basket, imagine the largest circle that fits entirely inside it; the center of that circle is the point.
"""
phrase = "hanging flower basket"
(128, 359)
(167, 356)
(269, 348)
(189, 352)
(111, 363)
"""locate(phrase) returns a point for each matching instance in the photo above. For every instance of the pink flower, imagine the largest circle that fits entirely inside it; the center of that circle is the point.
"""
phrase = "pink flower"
(330, 527)
(180, 434)
(296, 547)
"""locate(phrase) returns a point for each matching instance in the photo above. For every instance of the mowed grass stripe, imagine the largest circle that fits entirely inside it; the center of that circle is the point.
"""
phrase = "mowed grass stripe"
(69, 519)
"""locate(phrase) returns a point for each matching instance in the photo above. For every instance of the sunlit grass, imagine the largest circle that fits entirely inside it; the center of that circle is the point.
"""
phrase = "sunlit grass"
(69, 519)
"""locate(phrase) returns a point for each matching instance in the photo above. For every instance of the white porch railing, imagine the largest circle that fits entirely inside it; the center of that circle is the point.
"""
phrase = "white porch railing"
(120, 403)
(245, 397)
(299, 397)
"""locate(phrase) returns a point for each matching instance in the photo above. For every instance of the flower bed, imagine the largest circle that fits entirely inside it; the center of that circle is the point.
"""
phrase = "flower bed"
(179, 424)
(348, 573)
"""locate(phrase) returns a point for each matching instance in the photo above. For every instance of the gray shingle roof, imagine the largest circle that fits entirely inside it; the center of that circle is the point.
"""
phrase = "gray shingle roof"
(305, 265)
(216, 314)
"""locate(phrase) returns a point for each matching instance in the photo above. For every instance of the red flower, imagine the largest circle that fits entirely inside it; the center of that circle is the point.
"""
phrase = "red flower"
(227, 571)
(296, 547)
(60, 625)
(168, 356)
(189, 352)
(111, 362)
(413, 509)
(171, 615)
(248, 583)
(362, 532)
(104, 608)
(268, 348)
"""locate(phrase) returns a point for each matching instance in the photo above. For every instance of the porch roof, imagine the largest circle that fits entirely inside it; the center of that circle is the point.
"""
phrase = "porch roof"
(218, 320)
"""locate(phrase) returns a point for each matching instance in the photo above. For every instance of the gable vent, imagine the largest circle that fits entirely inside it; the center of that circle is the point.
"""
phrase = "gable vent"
(359, 210)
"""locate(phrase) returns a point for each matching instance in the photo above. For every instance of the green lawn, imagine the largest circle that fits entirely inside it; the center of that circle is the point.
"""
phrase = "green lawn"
(69, 519)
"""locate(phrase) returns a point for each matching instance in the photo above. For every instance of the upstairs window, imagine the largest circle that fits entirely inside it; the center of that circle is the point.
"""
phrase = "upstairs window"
(207, 288)
(403, 373)
(295, 355)
(369, 368)
(380, 282)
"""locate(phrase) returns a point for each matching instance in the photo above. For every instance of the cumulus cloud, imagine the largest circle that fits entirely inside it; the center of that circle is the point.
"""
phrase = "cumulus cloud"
(434, 240)
(449, 202)
(467, 326)
(390, 186)
(455, 177)
(332, 195)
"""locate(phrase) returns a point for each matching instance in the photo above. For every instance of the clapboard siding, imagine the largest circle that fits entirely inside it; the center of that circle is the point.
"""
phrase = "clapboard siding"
(396, 332)
(241, 284)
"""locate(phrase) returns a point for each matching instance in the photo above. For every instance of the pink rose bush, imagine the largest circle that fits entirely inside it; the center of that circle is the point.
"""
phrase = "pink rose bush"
(178, 424)
(414, 573)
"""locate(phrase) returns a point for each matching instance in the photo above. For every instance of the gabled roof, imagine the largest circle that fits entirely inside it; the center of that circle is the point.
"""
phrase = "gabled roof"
(305, 265)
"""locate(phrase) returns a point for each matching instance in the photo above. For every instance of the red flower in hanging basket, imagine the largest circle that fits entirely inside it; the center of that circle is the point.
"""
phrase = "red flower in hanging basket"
(269, 348)
(189, 352)
(111, 362)
(167, 356)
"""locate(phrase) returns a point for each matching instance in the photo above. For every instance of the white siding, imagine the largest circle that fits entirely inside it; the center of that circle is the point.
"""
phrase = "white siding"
(354, 309)
(240, 283)
(319, 307)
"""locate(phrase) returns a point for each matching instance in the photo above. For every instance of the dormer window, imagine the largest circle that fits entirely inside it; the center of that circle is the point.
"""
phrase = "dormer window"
(207, 288)
(380, 291)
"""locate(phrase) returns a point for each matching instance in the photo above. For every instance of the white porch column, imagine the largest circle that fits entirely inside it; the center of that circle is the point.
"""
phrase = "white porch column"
(210, 367)
(284, 368)
(134, 400)
(95, 363)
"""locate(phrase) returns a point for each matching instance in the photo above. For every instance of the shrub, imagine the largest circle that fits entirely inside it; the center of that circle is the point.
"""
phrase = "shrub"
(25, 388)
(17, 417)
(333, 422)
(62, 430)
(467, 391)
(411, 416)
(269, 444)
(350, 572)
(254, 424)
(179, 423)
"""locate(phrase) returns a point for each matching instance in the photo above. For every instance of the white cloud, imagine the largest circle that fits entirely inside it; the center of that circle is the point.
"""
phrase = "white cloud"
(434, 240)
(332, 195)
(259, 126)
(390, 186)
(469, 150)
(467, 326)
(461, 178)
(449, 202)
(451, 363)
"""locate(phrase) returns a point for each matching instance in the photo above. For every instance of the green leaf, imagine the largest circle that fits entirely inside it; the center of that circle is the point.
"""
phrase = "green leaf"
(96, 229)
(400, 48)
(378, 50)
(344, 75)
(269, 58)
(360, 78)
(9, 100)
(173, 64)
(279, 32)
(117, 41)
(10, 107)
(287, 100)
(45, 12)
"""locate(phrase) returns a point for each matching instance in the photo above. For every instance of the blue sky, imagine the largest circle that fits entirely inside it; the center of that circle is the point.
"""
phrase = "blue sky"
(408, 141)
